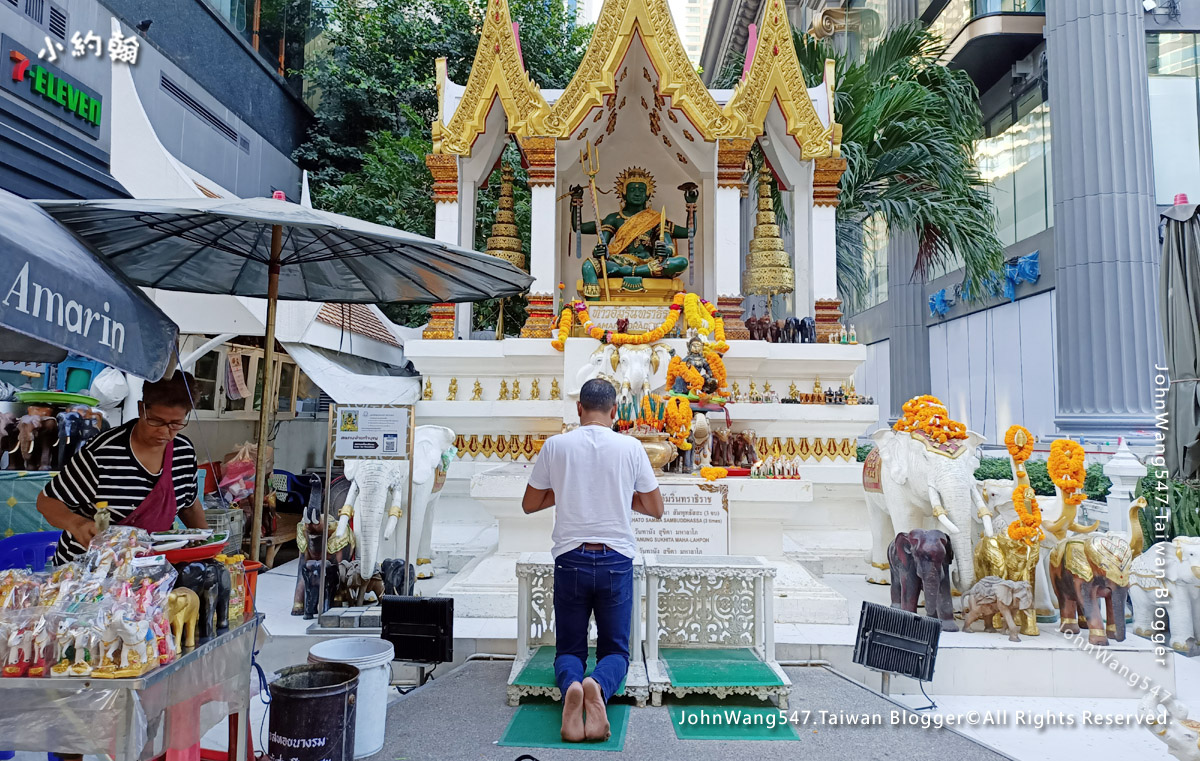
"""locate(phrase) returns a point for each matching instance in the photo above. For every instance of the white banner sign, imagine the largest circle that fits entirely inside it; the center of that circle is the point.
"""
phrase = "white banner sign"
(365, 431)
(695, 522)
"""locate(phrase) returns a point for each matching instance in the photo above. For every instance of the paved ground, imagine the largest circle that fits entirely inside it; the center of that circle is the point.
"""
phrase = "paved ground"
(468, 710)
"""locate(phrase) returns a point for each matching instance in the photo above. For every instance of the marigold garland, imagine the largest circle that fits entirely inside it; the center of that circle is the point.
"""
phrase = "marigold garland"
(564, 328)
(678, 422)
(1019, 442)
(1066, 470)
(712, 474)
(699, 314)
(928, 415)
(680, 369)
(717, 365)
(1028, 526)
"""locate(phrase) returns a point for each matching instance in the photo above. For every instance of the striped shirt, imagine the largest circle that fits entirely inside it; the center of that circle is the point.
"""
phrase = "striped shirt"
(106, 470)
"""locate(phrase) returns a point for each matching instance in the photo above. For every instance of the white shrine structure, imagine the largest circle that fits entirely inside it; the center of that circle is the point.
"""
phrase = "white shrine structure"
(638, 102)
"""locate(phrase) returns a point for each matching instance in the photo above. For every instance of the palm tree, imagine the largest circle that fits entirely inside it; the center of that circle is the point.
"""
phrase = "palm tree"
(909, 126)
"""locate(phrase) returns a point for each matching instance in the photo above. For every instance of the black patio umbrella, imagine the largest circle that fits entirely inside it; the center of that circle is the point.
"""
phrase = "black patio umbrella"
(1179, 311)
(59, 297)
(270, 248)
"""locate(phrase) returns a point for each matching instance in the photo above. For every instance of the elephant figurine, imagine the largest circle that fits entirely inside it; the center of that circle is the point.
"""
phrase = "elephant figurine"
(602, 363)
(791, 330)
(1085, 570)
(1167, 576)
(311, 571)
(37, 438)
(808, 331)
(312, 536)
(993, 596)
(920, 562)
(68, 430)
(209, 579)
(376, 494)
(910, 481)
(1006, 558)
(8, 435)
(722, 448)
(183, 611)
(1167, 718)
(639, 366)
(392, 571)
(745, 449)
(775, 332)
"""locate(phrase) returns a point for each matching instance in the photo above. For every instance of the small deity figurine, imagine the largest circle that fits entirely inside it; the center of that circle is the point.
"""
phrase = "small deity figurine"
(452, 392)
(754, 395)
(516, 392)
(634, 243)
(766, 389)
(793, 392)
(477, 392)
(817, 386)
(555, 393)
(503, 391)
(427, 394)
(535, 393)
(735, 392)
(695, 358)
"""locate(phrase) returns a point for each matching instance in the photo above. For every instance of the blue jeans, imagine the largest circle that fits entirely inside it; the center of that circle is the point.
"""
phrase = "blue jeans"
(587, 582)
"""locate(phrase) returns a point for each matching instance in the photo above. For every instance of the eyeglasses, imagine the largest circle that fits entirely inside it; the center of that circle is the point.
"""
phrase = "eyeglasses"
(154, 422)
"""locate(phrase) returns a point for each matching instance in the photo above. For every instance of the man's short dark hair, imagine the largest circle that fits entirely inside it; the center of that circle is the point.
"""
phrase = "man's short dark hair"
(170, 392)
(597, 395)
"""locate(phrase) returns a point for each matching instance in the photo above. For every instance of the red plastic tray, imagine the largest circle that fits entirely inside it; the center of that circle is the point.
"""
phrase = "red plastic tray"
(738, 471)
(188, 554)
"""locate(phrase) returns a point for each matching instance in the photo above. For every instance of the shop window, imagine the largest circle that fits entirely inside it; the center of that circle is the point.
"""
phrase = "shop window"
(1174, 79)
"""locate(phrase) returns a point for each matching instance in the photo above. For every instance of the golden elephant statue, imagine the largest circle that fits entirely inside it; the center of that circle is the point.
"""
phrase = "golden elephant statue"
(1002, 556)
(183, 611)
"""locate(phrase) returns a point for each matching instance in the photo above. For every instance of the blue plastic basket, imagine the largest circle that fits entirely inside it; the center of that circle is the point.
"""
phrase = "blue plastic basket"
(33, 551)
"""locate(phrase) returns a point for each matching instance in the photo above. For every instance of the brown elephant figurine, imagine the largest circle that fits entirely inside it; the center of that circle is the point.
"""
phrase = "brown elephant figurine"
(183, 611)
(993, 595)
(8, 436)
(775, 332)
(373, 585)
(1085, 570)
(37, 439)
(312, 535)
(722, 448)
(745, 449)
(920, 562)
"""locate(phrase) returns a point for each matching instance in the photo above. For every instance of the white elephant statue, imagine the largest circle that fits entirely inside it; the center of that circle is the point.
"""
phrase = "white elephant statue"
(377, 494)
(909, 483)
(640, 365)
(602, 363)
(1168, 576)
(997, 495)
(1167, 719)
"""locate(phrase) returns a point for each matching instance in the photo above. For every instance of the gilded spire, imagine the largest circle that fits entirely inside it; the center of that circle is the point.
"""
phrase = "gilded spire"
(769, 269)
(505, 242)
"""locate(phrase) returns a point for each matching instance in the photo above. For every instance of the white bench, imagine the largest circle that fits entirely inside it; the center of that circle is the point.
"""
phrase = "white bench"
(535, 629)
(721, 604)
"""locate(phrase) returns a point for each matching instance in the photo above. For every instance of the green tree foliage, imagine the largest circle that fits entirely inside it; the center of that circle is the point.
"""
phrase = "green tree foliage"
(909, 127)
(1172, 507)
(375, 76)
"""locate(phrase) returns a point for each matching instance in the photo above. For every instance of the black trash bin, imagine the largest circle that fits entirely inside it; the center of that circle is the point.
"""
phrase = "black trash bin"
(312, 713)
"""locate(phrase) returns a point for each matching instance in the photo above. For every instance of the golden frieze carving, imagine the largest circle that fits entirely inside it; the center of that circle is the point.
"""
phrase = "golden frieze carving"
(444, 168)
(827, 173)
(512, 447)
(731, 161)
(539, 155)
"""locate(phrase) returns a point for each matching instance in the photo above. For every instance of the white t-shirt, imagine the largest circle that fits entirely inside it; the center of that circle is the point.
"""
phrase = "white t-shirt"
(594, 472)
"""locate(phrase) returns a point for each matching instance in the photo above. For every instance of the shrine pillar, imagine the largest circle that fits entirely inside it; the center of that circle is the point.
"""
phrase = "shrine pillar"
(543, 260)
(444, 168)
(827, 173)
(728, 246)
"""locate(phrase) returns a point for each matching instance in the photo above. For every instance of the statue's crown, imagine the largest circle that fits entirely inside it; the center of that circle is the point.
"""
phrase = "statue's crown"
(634, 174)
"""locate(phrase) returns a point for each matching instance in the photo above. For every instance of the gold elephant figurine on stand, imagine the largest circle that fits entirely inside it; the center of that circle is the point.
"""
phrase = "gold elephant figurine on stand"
(183, 611)
(1009, 559)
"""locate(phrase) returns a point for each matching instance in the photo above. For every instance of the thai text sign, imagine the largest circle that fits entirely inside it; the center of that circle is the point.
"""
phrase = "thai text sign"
(695, 521)
(642, 319)
(371, 432)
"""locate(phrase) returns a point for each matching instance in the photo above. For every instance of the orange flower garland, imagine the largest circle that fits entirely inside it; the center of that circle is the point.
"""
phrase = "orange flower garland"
(1019, 442)
(928, 415)
(1028, 526)
(688, 303)
(717, 365)
(678, 422)
(564, 329)
(1065, 467)
(680, 369)
(712, 474)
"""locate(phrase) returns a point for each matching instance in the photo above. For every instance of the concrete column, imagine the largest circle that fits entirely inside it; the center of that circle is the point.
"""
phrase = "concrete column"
(728, 243)
(467, 193)
(445, 222)
(824, 252)
(542, 258)
(1105, 236)
(909, 345)
(800, 210)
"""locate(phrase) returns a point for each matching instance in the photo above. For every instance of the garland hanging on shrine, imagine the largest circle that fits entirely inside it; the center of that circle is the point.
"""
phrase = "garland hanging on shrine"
(928, 415)
(698, 314)
(1066, 470)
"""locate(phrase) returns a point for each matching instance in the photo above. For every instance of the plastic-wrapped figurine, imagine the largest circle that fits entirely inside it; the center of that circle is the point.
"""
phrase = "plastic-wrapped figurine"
(39, 641)
(16, 661)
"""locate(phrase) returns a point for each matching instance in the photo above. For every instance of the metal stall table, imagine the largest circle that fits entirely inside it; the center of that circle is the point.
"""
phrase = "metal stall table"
(139, 718)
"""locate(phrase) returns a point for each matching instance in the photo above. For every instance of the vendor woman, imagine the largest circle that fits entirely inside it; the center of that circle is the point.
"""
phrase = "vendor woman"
(144, 470)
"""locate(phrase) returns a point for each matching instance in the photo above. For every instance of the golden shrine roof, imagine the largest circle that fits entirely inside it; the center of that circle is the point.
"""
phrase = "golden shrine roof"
(498, 73)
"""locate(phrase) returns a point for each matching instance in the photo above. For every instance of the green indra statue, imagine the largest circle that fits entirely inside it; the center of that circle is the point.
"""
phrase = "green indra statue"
(632, 245)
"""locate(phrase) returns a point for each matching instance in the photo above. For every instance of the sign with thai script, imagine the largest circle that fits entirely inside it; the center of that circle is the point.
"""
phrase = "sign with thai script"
(365, 431)
(51, 90)
(695, 521)
(642, 319)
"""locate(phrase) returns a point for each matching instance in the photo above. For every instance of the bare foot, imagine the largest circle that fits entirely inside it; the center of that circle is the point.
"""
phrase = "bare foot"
(572, 722)
(597, 712)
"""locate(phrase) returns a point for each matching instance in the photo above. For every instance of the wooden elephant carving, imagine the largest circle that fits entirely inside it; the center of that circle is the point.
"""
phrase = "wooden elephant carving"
(183, 611)
(1085, 570)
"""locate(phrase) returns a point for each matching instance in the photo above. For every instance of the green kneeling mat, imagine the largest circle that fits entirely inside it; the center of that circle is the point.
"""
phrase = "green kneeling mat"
(735, 666)
(539, 725)
(712, 719)
(539, 672)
